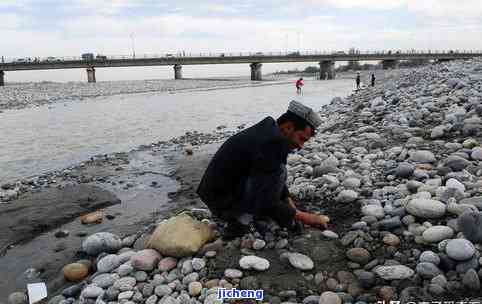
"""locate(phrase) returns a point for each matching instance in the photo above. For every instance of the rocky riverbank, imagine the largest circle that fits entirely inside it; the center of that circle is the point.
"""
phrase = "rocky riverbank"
(396, 167)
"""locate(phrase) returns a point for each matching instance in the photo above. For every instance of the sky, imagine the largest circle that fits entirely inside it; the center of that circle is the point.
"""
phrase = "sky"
(31, 28)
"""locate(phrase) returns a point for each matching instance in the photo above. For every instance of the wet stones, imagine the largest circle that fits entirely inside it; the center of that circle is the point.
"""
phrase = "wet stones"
(75, 272)
(460, 249)
(396, 272)
(436, 234)
(254, 262)
(426, 208)
(101, 242)
(358, 255)
(300, 261)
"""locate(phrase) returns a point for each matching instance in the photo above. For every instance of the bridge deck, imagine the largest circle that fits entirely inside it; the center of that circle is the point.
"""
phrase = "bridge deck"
(230, 59)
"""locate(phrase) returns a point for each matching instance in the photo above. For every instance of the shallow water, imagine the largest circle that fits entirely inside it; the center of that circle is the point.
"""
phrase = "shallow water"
(37, 140)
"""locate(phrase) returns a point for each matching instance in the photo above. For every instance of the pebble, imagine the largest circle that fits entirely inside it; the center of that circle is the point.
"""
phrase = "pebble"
(358, 255)
(253, 262)
(427, 270)
(347, 196)
(426, 208)
(101, 242)
(329, 297)
(471, 280)
(145, 260)
(75, 272)
(429, 257)
(438, 233)
(17, 298)
(233, 273)
(92, 291)
(300, 261)
(167, 264)
(195, 288)
(258, 244)
(108, 263)
(460, 249)
(125, 283)
(396, 272)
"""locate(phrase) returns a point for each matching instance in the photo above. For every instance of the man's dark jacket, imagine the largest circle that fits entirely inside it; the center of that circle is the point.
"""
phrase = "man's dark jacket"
(258, 155)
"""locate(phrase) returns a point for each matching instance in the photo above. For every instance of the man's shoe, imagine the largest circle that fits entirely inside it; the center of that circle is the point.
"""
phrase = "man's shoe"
(234, 230)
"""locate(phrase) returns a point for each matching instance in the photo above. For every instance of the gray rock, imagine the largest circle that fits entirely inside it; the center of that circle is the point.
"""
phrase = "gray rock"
(471, 280)
(233, 273)
(347, 196)
(396, 272)
(422, 156)
(426, 208)
(108, 263)
(456, 163)
(404, 170)
(440, 280)
(366, 279)
(101, 242)
(57, 299)
(427, 270)
(436, 234)
(463, 267)
(373, 210)
(311, 300)
(460, 249)
(92, 291)
(300, 261)
(470, 223)
(163, 290)
(389, 224)
(125, 269)
(429, 257)
(125, 284)
(104, 280)
(329, 297)
(198, 264)
(151, 300)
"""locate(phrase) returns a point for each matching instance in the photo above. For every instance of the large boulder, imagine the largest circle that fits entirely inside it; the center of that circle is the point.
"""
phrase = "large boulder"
(180, 236)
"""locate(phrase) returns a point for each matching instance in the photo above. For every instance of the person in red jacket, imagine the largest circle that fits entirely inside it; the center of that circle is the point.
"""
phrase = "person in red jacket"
(299, 84)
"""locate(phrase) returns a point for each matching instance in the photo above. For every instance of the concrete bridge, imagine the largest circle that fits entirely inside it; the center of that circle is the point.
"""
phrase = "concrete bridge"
(389, 59)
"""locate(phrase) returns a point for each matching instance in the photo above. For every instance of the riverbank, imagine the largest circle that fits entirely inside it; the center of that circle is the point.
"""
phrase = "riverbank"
(394, 167)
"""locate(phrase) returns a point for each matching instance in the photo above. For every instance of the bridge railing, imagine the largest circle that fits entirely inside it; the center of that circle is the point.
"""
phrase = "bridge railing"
(183, 54)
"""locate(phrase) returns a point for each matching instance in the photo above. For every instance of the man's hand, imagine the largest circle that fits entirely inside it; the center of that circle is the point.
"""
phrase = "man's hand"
(310, 219)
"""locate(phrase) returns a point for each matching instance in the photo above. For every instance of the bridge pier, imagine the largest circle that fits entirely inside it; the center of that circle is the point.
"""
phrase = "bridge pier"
(327, 70)
(390, 64)
(177, 71)
(256, 71)
(91, 74)
(2, 78)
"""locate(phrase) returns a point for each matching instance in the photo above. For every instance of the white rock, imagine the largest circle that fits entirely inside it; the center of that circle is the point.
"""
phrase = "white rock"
(254, 262)
(347, 196)
(455, 184)
(373, 210)
(300, 261)
(396, 272)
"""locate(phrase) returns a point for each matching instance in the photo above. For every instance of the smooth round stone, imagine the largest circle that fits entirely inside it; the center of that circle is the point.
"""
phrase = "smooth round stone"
(358, 255)
(476, 153)
(395, 272)
(167, 264)
(104, 280)
(347, 196)
(455, 184)
(426, 208)
(254, 262)
(152, 299)
(163, 290)
(145, 260)
(391, 239)
(195, 288)
(373, 210)
(258, 244)
(436, 234)
(427, 270)
(125, 269)
(108, 263)
(300, 261)
(351, 183)
(470, 223)
(126, 295)
(329, 234)
(329, 297)
(422, 156)
(233, 273)
(404, 170)
(460, 249)
(429, 257)
(125, 284)
(75, 272)
(101, 242)
(92, 291)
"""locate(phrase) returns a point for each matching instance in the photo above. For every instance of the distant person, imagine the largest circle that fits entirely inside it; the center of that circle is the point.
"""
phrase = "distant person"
(373, 79)
(299, 84)
(358, 80)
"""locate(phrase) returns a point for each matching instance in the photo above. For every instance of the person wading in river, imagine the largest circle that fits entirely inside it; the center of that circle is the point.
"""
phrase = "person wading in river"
(299, 84)
(246, 179)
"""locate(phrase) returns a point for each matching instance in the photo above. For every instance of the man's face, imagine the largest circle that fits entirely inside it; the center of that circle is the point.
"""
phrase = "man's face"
(298, 138)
